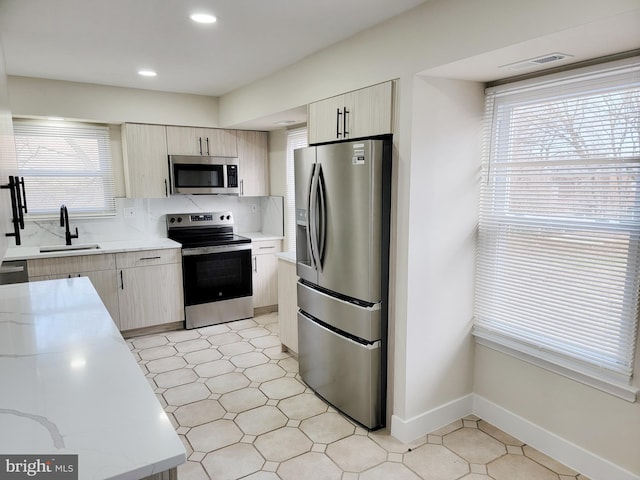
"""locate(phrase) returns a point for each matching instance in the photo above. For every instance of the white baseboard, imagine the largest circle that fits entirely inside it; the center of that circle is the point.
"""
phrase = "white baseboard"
(575, 457)
(408, 430)
(564, 451)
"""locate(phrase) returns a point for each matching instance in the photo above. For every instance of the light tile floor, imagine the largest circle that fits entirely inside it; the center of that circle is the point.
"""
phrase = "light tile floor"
(242, 411)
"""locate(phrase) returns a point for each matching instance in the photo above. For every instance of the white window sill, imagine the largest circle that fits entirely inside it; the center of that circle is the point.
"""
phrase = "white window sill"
(625, 392)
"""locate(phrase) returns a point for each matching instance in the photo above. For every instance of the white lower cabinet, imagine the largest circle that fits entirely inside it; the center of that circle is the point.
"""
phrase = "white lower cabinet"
(150, 288)
(139, 289)
(99, 268)
(265, 272)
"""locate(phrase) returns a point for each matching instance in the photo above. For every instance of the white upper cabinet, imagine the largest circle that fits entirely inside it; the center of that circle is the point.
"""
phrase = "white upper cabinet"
(147, 149)
(215, 142)
(253, 156)
(362, 113)
(146, 166)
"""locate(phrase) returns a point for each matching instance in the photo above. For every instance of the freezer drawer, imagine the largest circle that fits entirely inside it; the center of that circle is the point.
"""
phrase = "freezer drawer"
(345, 373)
(359, 321)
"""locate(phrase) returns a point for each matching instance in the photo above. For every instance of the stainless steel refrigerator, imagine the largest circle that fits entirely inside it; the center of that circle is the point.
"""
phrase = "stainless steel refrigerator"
(343, 198)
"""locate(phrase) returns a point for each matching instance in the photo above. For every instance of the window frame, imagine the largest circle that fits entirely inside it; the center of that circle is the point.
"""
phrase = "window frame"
(504, 217)
(101, 133)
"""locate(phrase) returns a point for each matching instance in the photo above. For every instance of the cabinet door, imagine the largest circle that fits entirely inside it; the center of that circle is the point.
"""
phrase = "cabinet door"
(215, 142)
(103, 281)
(218, 142)
(70, 265)
(253, 155)
(184, 141)
(146, 165)
(370, 111)
(265, 280)
(265, 272)
(325, 120)
(150, 295)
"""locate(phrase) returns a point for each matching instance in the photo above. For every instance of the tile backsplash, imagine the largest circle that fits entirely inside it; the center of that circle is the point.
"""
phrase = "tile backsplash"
(251, 214)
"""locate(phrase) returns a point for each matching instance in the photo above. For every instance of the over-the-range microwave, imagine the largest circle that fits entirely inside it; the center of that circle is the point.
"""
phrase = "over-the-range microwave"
(195, 174)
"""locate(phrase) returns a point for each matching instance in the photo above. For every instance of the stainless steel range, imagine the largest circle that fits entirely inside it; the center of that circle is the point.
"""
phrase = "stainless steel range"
(216, 266)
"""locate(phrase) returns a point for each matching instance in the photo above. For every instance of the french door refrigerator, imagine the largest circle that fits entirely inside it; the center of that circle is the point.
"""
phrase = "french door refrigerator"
(343, 203)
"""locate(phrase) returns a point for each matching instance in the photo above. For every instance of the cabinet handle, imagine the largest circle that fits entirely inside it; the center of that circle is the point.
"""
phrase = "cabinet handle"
(242, 187)
(150, 258)
(266, 248)
(344, 122)
(200, 143)
(255, 264)
(24, 196)
(338, 114)
(22, 206)
(166, 189)
(13, 187)
(121, 281)
(208, 146)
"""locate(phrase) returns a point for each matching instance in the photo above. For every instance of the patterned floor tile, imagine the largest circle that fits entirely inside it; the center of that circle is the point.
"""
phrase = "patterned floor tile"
(239, 406)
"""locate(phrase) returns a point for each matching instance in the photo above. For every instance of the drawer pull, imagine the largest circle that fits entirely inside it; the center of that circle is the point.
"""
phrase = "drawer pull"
(266, 248)
(151, 258)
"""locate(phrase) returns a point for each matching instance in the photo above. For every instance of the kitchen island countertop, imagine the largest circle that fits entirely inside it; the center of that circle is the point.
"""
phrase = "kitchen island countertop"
(70, 385)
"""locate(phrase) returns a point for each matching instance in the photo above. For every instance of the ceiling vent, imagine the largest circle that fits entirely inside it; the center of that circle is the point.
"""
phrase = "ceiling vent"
(537, 61)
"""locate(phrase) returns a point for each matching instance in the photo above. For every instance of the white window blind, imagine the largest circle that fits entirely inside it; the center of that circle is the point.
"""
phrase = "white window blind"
(296, 138)
(65, 163)
(558, 267)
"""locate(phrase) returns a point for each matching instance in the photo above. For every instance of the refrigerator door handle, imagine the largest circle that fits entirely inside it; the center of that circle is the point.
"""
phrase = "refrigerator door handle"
(322, 217)
(312, 237)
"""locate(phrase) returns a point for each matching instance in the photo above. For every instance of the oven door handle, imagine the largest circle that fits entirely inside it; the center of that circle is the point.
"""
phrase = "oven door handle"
(187, 252)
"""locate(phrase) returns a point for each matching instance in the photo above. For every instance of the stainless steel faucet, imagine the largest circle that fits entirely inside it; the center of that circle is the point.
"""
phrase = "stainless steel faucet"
(64, 222)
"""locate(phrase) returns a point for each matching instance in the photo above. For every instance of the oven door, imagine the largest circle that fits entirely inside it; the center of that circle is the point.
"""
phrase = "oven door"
(217, 284)
(214, 274)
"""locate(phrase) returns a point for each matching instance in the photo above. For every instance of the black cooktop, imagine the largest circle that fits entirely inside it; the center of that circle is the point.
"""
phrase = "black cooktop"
(203, 229)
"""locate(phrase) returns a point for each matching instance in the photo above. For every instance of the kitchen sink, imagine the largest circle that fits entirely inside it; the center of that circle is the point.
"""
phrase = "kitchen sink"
(67, 248)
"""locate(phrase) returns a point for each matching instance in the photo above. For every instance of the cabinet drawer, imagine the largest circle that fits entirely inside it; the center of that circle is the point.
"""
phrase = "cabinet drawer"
(72, 264)
(266, 246)
(143, 258)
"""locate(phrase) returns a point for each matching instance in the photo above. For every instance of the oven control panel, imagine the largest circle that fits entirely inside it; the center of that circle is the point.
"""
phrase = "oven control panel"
(176, 220)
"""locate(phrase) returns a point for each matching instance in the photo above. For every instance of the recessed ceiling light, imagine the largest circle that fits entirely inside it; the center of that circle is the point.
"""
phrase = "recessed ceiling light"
(147, 73)
(286, 122)
(203, 18)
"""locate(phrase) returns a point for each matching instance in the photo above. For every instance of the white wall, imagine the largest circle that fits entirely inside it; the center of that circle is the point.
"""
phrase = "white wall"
(446, 130)
(592, 420)
(432, 375)
(436, 33)
(81, 101)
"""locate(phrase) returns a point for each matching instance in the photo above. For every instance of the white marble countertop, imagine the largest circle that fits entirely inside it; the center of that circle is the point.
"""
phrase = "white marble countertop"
(70, 385)
(287, 256)
(26, 253)
(260, 236)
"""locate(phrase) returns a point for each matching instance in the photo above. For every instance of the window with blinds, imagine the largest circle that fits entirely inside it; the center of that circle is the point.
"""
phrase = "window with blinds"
(558, 267)
(65, 163)
(296, 138)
